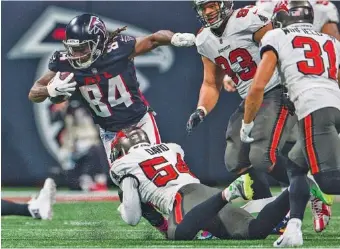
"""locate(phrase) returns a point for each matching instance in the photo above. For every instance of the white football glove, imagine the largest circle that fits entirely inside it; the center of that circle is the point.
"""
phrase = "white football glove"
(229, 84)
(59, 87)
(183, 40)
(245, 131)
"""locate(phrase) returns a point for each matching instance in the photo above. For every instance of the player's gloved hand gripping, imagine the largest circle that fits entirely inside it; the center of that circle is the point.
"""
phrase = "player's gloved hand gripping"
(183, 39)
(59, 87)
(245, 131)
(195, 118)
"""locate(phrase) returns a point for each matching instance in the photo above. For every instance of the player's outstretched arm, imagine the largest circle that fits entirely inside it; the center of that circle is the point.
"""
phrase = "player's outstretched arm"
(209, 93)
(211, 86)
(39, 92)
(254, 98)
(162, 38)
(263, 74)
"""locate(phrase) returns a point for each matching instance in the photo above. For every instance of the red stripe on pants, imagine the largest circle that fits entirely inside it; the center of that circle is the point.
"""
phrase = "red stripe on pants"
(178, 208)
(277, 134)
(313, 162)
(155, 129)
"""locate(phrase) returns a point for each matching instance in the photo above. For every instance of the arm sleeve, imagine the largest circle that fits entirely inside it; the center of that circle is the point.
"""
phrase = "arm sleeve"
(176, 148)
(257, 19)
(270, 42)
(130, 209)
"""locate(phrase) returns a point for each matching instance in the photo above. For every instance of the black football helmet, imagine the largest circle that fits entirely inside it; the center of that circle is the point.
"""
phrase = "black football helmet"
(125, 140)
(223, 10)
(86, 38)
(293, 12)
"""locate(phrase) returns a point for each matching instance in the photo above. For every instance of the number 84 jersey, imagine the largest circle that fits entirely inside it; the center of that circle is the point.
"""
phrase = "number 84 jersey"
(235, 51)
(160, 171)
(109, 87)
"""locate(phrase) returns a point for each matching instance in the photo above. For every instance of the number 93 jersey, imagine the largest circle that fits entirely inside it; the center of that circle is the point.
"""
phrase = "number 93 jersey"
(235, 51)
(309, 62)
(109, 87)
(160, 171)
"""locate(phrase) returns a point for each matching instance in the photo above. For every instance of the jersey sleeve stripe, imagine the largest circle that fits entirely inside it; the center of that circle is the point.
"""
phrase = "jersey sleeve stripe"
(268, 48)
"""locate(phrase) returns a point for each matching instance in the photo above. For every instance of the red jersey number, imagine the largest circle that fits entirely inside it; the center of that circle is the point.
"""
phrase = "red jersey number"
(161, 176)
(245, 61)
(315, 52)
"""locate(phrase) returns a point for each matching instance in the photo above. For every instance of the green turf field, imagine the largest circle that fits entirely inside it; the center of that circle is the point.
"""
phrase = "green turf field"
(97, 224)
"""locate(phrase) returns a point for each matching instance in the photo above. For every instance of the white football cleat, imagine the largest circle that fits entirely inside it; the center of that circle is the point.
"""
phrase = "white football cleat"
(292, 236)
(41, 207)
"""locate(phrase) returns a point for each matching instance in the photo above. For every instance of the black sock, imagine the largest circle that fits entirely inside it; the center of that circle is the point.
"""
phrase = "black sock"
(271, 215)
(11, 208)
(260, 184)
(199, 217)
(299, 196)
(279, 171)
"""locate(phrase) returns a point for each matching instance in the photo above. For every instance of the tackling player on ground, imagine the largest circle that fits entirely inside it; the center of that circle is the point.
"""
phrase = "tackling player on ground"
(159, 175)
(312, 81)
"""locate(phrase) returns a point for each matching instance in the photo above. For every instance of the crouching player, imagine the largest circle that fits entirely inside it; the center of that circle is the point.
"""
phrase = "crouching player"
(157, 174)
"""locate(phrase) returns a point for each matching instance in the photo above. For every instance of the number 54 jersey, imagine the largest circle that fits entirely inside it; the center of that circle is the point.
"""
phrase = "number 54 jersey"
(160, 170)
(235, 50)
(309, 62)
(109, 87)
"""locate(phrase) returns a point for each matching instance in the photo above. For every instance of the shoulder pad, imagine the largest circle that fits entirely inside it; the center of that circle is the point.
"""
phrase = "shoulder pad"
(122, 45)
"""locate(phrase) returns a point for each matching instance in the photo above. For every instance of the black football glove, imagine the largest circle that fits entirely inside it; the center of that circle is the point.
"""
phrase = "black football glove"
(287, 103)
(195, 118)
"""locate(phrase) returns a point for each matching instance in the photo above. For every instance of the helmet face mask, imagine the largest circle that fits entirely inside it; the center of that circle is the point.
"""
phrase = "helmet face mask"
(83, 54)
(219, 11)
(86, 39)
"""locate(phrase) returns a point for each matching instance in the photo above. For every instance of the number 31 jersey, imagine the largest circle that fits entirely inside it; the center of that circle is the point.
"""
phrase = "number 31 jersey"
(236, 51)
(109, 87)
(309, 62)
(160, 170)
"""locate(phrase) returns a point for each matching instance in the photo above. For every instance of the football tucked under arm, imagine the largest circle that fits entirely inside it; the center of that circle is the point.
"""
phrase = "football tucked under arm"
(61, 98)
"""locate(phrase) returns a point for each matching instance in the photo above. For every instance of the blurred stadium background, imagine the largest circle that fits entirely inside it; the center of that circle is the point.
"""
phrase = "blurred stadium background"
(36, 140)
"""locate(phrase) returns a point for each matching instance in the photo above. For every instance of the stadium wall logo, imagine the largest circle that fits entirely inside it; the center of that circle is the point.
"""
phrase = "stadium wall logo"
(35, 44)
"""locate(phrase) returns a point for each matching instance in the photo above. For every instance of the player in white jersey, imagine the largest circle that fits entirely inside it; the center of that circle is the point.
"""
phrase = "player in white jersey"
(228, 44)
(312, 79)
(326, 15)
(158, 174)
(326, 19)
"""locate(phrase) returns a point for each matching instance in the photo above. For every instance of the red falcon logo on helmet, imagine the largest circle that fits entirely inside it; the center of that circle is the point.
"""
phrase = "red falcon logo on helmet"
(96, 25)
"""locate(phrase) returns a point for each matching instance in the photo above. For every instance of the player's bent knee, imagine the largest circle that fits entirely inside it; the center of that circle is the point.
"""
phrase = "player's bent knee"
(259, 159)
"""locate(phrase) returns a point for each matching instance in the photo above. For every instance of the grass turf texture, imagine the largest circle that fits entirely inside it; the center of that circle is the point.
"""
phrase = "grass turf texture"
(97, 224)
